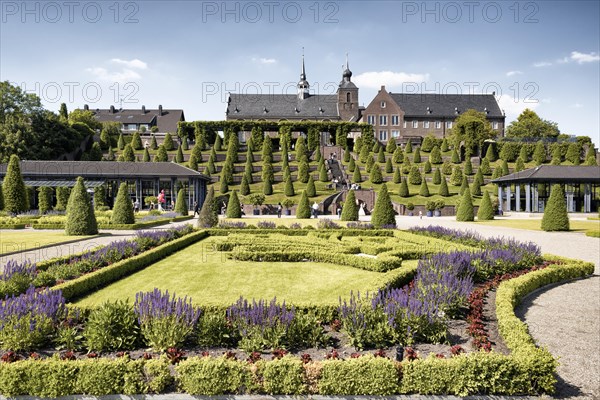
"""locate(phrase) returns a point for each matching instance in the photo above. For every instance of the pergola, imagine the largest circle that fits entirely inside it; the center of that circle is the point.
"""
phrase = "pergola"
(581, 184)
(143, 179)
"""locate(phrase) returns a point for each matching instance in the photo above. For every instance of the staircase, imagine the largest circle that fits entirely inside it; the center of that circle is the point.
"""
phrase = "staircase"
(336, 171)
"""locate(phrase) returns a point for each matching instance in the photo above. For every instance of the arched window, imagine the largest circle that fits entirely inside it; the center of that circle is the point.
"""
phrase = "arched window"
(348, 97)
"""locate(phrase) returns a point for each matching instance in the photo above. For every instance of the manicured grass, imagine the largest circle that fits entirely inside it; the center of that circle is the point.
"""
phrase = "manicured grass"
(11, 241)
(535, 224)
(209, 278)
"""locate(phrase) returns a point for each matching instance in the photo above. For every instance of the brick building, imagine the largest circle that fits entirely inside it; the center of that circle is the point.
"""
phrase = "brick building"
(132, 120)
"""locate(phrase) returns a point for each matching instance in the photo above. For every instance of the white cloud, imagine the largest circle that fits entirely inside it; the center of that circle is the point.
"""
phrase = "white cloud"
(125, 75)
(135, 63)
(512, 73)
(264, 61)
(542, 64)
(375, 79)
(513, 107)
(576, 105)
(581, 58)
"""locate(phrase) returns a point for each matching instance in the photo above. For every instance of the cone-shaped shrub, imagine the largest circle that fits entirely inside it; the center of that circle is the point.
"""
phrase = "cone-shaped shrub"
(146, 157)
(437, 177)
(218, 143)
(485, 212)
(267, 147)
(161, 154)
(123, 209)
(455, 157)
(444, 188)
(491, 154)
(497, 172)
(1, 198)
(128, 154)
(181, 206)
(223, 186)
(370, 163)
(15, 195)
(136, 141)
(465, 209)
(303, 173)
(168, 142)
(469, 167)
(383, 214)
(44, 199)
(380, 155)
(81, 219)
(267, 173)
(62, 198)
(435, 156)
(539, 154)
(391, 145)
(99, 197)
(356, 176)
(311, 191)
(245, 187)
(350, 209)
(476, 188)
(444, 147)
(555, 216)
(485, 167)
(504, 166)
(347, 155)
(556, 156)
(388, 166)
(424, 190)
(375, 148)
(397, 176)
(111, 154)
(233, 206)
(153, 144)
(414, 177)
(351, 165)
(179, 156)
(364, 154)
(408, 148)
(248, 168)
(209, 216)
(323, 174)
(464, 185)
(193, 162)
(447, 168)
(524, 154)
(121, 142)
(457, 176)
(479, 177)
(289, 187)
(427, 167)
(286, 173)
(403, 191)
(590, 159)
(267, 188)
(417, 156)
(303, 209)
(398, 156)
(574, 153)
(376, 176)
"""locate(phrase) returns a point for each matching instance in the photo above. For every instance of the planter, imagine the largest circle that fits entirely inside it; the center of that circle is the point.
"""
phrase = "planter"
(437, 213)
(256, 212)
(430, 213)
(410, 213)
(288, 212)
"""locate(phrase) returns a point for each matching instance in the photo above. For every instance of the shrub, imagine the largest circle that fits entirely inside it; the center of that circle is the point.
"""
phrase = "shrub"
(476, 188)
(426, 167)
(485, 167)
(209, 216)
(555, 216)
(457, 176)
(233, 206)
(311, 191)
(179, 156)
(424, 190)
(417, 156)
(403, 190)
(370, 163)
(161, 154)
(468, 167)
(380, 155)
(289, 187)
(414, 177)
(44, 199)
(128, 153)
(359, 376)
(303, 210)
(284, 376)
(455, 157)
(212, 376)
(444, 188)
(435, 156)
(351, 165)
(168, 142)
(397, 178)
(408, 148)
(323, 174)
(153, 144)
(574, 153)
(389, 168)
(437, 177)
(136, 141)
(1, 198)
(539, 154)
(62, 198)
(464, 185)
(245, 187)
(465, 210)
(491, 154)
(121, 142)
(376, 176)
(391, 145)
(356, 176)
(383, 214)
(81, 219)
(111, 326)
(13, 188)
(444, 147)
(398, 156)
(350, 209)
(267, 188)
(123, 209)
(181, 206)
(303, 171)
(485, 212)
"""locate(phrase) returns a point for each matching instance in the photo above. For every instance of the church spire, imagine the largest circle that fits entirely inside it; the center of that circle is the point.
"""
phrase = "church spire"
(347, 74)
(303, 85)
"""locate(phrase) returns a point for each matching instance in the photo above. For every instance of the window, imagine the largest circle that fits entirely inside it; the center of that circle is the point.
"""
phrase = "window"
(348, 97)
(415, 124)
(395, 120)
(438, 124)
(495, 125)
(404, 124)
(383, 104)
(449, 124)
(383, 120)
(131, 127)
(426, 124)
(395, 134)
(371, 119)
(383, 135)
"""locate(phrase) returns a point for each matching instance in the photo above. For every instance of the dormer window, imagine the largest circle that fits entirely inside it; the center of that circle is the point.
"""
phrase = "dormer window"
(456, 110)
(382, 104)
(296, 110)
(428, 110)
(265, 110)
(321, 110)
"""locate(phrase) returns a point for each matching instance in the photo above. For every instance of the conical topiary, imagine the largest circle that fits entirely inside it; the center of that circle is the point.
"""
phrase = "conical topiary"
(455, 157)
(136, 141)
(1, 198)
(376, 176)
(398, 156)
(13, 187)
(370, 163)
(555, 216)
(303, 171)
(437, 177)
(457, 176)
(146, 157)
(414, 177)
(179, 156)
(209, 216)
(351, 165)
(128, 154)
(153, 144)
(323, 174)
(303, 209)
(465, 209)
(161, 154)
(397, 176)
(123, 208)
(350, 209)
(435, 157)
(311, 190)
(44, 199)
(444, 188)
(388, 166)
(234, 209)
(417, 156)
(380, 155)
(383, 214)
(289, 187)
(444, 147)
(468, 167)
(245, 187)
(121, 142)
(403, 191)
(464, 185)
(427, 167)
(181, 206)
(267, 188)
(81, 219)
(356, 176)
(424, 189)
(408, 148)
(485, 212)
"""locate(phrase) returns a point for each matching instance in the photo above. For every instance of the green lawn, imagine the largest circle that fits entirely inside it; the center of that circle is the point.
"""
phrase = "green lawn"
(20, 240)
(535, 224)
(209, 278)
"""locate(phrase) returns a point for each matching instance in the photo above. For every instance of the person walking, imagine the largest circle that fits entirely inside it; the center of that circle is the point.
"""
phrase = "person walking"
(136, 206)
(315, 208)
(196, 208)
(279, 208)
(420, 214)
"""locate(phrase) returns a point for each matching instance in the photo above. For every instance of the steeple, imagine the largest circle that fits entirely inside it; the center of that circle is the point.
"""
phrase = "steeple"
(347, 74)
(303, 85)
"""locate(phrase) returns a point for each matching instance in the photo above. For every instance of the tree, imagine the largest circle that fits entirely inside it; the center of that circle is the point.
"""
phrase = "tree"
(323, 174)
(16, 199)
(179, 156)
(398, 156)
(370, 163)
(519, 165)
(417, 156)
(350, 208)
(364, 154)
(123, 208)
(383, 214)
(311, 191)
(376, 176)
(555, 216)
(211, 165)
(109, 130)
(485, 167)
(356, 176)
(504, 166)
(457, 176)
(96, 152)
(136, 141)
(303, 210)
(313, 138)
(590, 158)
(397, 176)
(464, 185)
(234, 209)
(408, 148)
(257, 137)
(248, 168)
(218, 143)
(427, 167)
(435, 156)
(455, 157)
(437, 177)
(209, 215)
(303, 171)
(44, 199)
(574, 153)
(529, 125)
(300, 148)
(267, 148)
(245, 187)
(403, 190)
(465, 209)
(444, 192)
(485, 212)
(491, 153)
(414, 177)
(62, 198)
(428, 143)
(476, 188)
(128, 154)
(447, 168)
(267, 188)
(289, 187)
(351, 165)
(380, 155)
(539, 154)
(63, 114)
(100, 197)
(153, 144)
(161, 154)
(444, 147)
(468, 167)
(168, 142)
(81, 219)
(556, 156)
(524, 154)
(268, 175)
(347, 155)
(121, 142)
(471, 128)
(424, 189)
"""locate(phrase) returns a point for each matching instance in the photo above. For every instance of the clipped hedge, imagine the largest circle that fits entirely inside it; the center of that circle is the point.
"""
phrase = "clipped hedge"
(360, 376)
(12, 226)
(94, 280)
(212, 376)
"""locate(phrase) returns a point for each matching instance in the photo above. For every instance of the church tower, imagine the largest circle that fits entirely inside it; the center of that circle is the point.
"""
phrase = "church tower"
(303, 85)
(348, 96)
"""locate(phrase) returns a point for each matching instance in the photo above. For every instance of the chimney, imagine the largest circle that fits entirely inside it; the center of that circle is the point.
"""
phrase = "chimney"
(143, 109)
(86, 107)
(160, 110)
(112, 109)
(382, 87)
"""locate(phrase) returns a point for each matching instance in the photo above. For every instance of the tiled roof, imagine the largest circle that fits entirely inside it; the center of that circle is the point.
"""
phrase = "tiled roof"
(554, 173)
(166, 122)
(445, 105)
(282, 106)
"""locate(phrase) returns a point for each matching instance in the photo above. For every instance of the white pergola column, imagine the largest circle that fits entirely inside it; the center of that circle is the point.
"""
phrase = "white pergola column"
(528, 197)
(587, 198)
(517, 197)
(508, 197)
(499, 197)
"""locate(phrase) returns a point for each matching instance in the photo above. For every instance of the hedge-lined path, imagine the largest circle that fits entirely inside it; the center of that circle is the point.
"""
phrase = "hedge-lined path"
(47, 252)
(564, 318)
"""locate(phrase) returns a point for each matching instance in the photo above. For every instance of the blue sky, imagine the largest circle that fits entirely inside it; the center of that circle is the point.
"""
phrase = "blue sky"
(189, 54)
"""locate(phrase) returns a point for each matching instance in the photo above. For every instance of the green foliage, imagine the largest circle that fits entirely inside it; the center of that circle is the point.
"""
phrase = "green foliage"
(44, 199)
(574, 153)
(476, 188)
(429, 142)
(464, 185)
(539, 154)
(468, 167)
(414, 177)
(257, 136)
(121, 142)
(465, 210)
(112, 326)
(289, 187)
(233, 206)
(303, 171)
(245, 187)
(408, 148)
(123, 209)
(267, 148)
(370, 163)
(497, 172)
(519, 165)
(13, 188)
(347, 155)
(436, 156)
(555, 216)
(376, 176)
(529, 125)
(168, 142)
(424, 190)
(95, 152)
(351, 165)
(62, 198)
(556, 156)
(403, 190)
(284, 376)
(524, 154)
(181, 207)
(161, 154)
(311, 190)
(1, 198)
(323, 174)
(455, 157)
(590, 158)
(510, 151)
(444, 147)
(268, 174)
(380, 155)
(471, 128)
(81, 219)
(100, 197)
(153, 144)
(398, 156)
(128, 154)
(391, 145)
(303, 209)
(223, 186)
(356, 176)
(383, 214)
(504, 166)
(365, 153)
(486, 211)
(417, 156)
(397, 176)
(437, 177)
(350, 208)
(373, 376)
(136, 141)
(444, 188)
(485, 167)
(218, 143)
(491, 154)
(111, 154)
(313, 138)
(212, 376)
(427, 167)
(209, 216)
(457, 176)
(267, 188)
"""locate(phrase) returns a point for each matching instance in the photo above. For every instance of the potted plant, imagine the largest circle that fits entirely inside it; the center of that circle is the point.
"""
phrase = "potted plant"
(438, 208)
(410, 207)
(256, 199)
(288, 203)
(430, 206)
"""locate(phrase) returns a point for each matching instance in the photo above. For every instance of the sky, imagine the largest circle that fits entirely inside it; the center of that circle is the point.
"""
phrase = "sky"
(542, 55)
